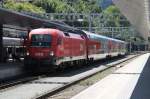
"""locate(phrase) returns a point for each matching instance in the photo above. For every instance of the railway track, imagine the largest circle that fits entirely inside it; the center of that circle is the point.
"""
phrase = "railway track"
(44, 86)
(17, 82)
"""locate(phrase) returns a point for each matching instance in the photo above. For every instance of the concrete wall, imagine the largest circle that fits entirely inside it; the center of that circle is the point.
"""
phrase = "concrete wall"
(137, 12)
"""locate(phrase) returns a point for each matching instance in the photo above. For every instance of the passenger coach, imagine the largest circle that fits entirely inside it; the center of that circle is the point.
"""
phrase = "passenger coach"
(100, 47)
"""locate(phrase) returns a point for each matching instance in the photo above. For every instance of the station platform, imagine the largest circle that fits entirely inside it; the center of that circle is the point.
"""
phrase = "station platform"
(129, 82)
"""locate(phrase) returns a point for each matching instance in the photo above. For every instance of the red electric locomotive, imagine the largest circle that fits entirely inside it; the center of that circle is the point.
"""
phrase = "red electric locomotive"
(52, 46)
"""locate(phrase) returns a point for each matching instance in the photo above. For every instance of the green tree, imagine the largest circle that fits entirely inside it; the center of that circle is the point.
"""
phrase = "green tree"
(10, 4)
(112, 14)
(87, 6)
(54, 6)
(67, 6)
(114, 17)
(111, 9)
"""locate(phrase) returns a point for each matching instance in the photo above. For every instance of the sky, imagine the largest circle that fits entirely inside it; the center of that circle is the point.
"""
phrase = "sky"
(105, 3)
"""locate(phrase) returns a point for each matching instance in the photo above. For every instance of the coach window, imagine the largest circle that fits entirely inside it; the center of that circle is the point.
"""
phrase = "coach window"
(66, 34)
(103, 46)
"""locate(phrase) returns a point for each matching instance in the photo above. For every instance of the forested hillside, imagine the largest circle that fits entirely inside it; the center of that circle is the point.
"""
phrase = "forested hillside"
(55, 6)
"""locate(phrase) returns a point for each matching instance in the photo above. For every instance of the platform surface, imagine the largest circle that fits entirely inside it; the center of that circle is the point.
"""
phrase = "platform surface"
(129, 82)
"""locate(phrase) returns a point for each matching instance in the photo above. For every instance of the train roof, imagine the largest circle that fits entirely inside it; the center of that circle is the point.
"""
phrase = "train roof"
(7, 41)
(103, 37)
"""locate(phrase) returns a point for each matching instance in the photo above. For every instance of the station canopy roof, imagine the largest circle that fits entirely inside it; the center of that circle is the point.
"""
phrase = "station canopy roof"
(22, 20)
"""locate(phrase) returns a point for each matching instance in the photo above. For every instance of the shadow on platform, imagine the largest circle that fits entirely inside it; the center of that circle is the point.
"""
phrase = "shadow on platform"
(142, 89)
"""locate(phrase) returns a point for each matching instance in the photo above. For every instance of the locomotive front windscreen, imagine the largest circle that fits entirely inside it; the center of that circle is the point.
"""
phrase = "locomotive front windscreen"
(41, 40)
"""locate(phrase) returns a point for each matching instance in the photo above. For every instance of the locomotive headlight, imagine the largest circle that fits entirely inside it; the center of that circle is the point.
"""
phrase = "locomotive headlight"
(28, 53)
(51, 53)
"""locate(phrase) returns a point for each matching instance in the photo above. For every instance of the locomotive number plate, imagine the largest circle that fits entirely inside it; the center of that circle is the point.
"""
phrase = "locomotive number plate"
(39, 54)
